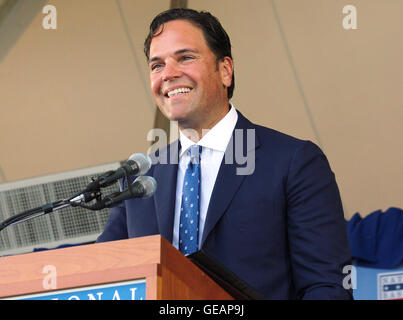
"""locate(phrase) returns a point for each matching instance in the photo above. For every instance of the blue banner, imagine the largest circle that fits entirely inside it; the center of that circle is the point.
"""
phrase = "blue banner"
(128, 290)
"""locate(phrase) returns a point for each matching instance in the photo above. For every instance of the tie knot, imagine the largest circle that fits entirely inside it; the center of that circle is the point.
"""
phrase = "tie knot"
(195, 152)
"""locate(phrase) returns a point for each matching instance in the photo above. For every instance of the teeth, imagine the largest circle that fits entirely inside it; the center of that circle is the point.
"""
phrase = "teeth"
(177, 91)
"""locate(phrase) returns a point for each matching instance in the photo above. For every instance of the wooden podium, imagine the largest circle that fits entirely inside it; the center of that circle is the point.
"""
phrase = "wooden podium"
(163, 270)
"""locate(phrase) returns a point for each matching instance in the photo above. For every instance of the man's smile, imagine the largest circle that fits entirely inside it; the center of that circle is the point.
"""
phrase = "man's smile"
(176, 91)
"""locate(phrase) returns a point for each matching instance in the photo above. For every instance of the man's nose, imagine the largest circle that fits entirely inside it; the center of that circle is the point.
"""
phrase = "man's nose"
(171, 71)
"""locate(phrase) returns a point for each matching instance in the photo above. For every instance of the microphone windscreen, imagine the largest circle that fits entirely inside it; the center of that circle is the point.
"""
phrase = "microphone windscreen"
(143, 161)
(149, 185)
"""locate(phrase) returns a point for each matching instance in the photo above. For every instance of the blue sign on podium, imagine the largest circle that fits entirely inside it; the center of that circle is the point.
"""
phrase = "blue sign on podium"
(128, 290)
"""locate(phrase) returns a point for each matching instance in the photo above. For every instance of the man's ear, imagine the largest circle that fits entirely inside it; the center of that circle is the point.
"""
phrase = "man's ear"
(226, 70)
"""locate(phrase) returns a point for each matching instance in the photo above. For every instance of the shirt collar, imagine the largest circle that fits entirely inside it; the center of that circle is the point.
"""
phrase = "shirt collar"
(217, 137)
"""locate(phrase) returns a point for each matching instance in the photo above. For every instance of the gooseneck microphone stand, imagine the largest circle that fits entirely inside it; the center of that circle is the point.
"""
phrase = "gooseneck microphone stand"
(77, 200)
(144, 188)
(91, 192)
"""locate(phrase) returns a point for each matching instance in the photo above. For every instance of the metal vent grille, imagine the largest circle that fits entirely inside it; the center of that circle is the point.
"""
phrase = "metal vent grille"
(66, 226)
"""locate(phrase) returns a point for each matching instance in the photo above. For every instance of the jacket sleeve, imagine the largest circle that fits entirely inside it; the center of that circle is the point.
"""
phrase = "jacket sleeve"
(316, 227)
(116, 225)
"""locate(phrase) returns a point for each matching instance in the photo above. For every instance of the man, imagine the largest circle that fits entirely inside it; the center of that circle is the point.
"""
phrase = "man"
(278, 225)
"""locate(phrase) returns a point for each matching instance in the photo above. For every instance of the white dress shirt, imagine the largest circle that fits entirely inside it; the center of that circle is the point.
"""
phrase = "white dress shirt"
(214, 144)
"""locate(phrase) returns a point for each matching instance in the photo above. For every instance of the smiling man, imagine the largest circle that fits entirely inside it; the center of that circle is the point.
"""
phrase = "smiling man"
(189, 84)
(280, 227)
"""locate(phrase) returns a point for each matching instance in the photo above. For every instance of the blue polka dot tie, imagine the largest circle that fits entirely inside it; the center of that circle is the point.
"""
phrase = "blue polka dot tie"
(189, 217)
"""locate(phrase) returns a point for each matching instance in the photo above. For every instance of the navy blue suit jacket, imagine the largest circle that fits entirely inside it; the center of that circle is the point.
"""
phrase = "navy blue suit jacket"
(280, 229)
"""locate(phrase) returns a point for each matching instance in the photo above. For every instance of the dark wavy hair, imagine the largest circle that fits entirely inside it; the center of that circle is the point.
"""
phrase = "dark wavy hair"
(216, 38)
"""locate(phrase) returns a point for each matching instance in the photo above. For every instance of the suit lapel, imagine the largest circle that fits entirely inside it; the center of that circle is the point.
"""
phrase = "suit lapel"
(228, 179)
(166, 171)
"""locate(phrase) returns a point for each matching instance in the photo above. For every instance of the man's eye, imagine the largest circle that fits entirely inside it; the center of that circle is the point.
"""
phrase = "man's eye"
(155, 67)
(187, 58)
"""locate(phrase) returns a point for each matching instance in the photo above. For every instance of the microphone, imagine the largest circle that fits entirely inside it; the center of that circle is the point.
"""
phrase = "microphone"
(142, 187)
(138, 164)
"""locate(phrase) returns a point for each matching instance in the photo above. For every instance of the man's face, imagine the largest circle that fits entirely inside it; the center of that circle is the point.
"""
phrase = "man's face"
(186, 81)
